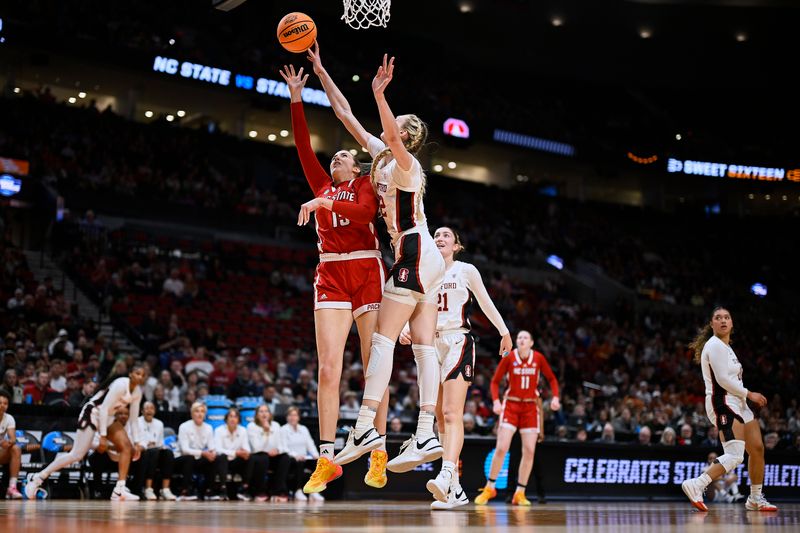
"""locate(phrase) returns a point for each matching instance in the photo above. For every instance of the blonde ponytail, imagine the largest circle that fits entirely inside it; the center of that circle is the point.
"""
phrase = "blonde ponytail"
(417, 135)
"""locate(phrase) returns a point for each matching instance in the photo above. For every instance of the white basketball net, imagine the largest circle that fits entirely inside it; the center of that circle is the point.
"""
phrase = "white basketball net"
(361, 14)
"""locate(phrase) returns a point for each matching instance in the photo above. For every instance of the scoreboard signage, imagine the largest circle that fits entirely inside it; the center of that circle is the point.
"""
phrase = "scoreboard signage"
(731, 170)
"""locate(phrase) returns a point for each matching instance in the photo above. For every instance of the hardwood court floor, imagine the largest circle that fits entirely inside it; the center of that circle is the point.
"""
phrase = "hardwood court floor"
(74, 516)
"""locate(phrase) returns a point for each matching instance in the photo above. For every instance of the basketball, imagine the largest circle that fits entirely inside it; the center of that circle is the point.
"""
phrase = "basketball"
(297, 32)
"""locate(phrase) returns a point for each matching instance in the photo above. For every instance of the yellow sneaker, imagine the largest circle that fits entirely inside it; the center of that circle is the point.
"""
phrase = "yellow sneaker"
(376, 475)
(520, 499)
(325, 472)
(485, 495)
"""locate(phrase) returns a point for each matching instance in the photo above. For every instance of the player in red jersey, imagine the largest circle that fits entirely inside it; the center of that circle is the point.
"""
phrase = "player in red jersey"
(519, 410)
(349, 281)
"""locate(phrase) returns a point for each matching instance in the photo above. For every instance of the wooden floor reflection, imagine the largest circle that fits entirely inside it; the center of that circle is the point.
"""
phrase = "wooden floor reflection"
(65, 516)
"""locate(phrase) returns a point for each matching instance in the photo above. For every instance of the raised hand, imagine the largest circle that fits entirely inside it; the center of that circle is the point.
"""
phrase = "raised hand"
(295, 81)
(383, 76)
(314, 57)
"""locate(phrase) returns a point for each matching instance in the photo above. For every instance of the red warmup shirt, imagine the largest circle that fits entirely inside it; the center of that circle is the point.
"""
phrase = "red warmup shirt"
(349, 227)
(523, 376)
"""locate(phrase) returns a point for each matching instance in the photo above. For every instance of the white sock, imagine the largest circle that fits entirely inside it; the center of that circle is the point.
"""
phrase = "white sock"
(383, 443)
(379, 369)
(755, 491)
(12, 483)
(428, 372)
(366, 419)
(121, 484)
(705, 479)
(490, 484)
(425, 425)
(326, 450)
(450, 468)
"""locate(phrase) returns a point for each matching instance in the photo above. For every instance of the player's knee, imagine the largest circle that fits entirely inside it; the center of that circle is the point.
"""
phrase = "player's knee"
(451, 414)
(328, 373)
(733, 456)
(756, 447)
(16, 452)
(528, 449)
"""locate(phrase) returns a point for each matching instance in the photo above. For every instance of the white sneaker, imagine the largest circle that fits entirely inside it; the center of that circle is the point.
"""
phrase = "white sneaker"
(167, 495)
(316, 497)
(33, 486)
(358, 446)
(455, 498)
(693, 488)
(123, 494)
(150, 494)
(440, 486)
(299, 496)
(759, 504)
(414, 453)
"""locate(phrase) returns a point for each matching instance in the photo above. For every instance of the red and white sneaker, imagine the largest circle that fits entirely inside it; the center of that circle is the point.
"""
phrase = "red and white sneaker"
(693, 488)
(13, 494)
(759, 503)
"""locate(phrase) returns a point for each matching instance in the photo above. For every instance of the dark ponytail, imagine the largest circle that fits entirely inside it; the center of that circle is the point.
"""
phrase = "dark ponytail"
(111, 377)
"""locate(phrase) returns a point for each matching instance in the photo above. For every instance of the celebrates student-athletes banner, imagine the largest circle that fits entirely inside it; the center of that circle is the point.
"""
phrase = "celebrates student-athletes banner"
(588, 470)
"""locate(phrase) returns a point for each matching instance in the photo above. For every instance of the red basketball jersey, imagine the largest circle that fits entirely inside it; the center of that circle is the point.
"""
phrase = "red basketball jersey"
(523, 376)
(349, 226)
(336, 232)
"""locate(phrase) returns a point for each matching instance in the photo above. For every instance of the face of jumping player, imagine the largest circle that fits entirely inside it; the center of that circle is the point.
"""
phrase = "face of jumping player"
(721, 322)
(445, 241)
(524, 341)
(344, 166)
(137, 376)
(401, 125)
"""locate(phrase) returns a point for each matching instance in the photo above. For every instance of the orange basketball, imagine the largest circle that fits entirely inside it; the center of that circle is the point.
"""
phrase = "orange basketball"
(297, 32)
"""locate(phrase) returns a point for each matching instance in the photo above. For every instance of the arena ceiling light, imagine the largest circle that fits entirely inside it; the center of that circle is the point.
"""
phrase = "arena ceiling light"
(451, 165)
(759, 289)
(645, 33)
(557, 21)
(252, 134)
(16, 90)
(181, 113)
(272, 137)
(81, 94)
(741, 37)
(356, 77)
(72, 100)
(284, 133)
(148, 114)
(170, 118)
(438, 168)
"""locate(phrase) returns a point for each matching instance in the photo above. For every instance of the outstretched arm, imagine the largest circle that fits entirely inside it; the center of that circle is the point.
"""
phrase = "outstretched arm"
(339, 103)
(475, 284)
(391, 131)
(315, 175)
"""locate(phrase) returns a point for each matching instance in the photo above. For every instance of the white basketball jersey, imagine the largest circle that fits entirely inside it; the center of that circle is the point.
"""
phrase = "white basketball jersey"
(461, 288)
(399, 191)
(455, 299)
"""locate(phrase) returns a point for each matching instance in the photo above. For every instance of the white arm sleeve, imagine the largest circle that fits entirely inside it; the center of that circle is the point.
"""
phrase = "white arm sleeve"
(374, 146)
(718, 358)
(115, 392)
(475, 284)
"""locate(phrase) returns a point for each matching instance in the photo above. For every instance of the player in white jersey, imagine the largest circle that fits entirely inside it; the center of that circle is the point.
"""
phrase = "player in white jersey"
(411, 290)
(96, 416)
(726, 407)
(455, 347)
(10, 453)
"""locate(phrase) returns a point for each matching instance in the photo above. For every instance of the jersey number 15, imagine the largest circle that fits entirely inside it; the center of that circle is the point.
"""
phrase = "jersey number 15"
(339, 221)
